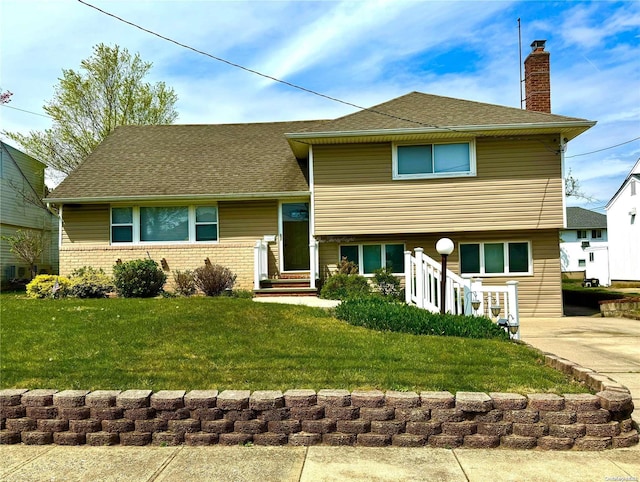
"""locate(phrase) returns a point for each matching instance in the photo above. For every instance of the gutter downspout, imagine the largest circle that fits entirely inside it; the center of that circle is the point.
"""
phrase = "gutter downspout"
(313, 251)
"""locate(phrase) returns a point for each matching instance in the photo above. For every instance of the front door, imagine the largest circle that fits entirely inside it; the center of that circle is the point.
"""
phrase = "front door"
(295, 236)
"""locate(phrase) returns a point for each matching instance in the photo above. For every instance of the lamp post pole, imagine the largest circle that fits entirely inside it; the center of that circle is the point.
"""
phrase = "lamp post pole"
(444, 247)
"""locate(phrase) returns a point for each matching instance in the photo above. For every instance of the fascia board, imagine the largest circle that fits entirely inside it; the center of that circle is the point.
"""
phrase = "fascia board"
(436, 130)
(179, 198)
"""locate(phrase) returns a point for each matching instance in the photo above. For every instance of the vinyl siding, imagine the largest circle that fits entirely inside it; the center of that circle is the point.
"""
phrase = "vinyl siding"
(540, 294)
(86, 224)
(518, 186)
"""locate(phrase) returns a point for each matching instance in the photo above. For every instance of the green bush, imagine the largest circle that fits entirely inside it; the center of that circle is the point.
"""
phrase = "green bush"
(213, 279)
(343, 286)
(386, 283)
(379, 314)
(242, 294)
(185, 282)
(48, 286)
(140, 278)
(88, 282)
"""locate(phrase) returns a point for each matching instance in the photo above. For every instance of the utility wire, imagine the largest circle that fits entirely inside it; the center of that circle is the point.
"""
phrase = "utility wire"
(604, 148)
(255, 72)
(27, 111)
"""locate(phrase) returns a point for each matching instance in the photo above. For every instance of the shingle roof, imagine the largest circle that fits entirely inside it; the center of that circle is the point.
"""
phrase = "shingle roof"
(188, 160)
(245, 159)
(579, 218)
(416, 110)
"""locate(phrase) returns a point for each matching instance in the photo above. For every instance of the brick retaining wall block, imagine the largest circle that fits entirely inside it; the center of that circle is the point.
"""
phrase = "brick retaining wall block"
(331, 417)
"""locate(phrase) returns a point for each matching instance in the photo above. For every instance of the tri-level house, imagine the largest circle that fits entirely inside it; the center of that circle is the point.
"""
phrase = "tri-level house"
(22, 209)
(274, 201)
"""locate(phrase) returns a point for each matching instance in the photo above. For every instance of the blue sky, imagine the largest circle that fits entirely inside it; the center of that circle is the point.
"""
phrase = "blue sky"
(364, 52)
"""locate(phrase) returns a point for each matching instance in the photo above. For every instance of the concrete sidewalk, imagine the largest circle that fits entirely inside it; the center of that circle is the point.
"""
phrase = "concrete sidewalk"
(183, 464)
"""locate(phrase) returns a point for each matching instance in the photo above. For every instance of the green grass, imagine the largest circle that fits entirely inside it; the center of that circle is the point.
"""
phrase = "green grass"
(222, 343)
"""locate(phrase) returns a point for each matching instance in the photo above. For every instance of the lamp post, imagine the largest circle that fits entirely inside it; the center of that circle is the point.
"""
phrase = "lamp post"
(444, 247)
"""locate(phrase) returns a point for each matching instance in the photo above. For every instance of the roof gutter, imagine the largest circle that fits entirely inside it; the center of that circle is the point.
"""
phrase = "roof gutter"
(435, 130)
(178, 197)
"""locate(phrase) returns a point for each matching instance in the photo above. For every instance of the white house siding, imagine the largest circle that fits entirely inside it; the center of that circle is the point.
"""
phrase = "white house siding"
(624, 233)
(574, 258)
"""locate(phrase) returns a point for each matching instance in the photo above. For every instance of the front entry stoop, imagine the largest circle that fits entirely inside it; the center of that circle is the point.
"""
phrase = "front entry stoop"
(286, 286)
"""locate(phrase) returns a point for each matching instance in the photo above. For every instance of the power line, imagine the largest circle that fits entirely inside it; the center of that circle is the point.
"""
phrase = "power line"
(604, 148)
(27, 111)
(255, 72)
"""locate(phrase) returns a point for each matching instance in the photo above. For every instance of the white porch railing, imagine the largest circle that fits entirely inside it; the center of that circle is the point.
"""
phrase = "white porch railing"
(260, 262)
(423, 281)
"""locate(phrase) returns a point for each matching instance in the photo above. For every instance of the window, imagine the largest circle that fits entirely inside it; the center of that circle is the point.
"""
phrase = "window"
(433, 160)
(370, 257)
(633, 187)
(596, 234)
(592, 257)
(582, 263)
(496, 258)
(122, 225)
(164, 224)
(582, 234)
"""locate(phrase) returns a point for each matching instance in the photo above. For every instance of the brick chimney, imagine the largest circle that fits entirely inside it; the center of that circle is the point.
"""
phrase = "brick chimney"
(537, 83)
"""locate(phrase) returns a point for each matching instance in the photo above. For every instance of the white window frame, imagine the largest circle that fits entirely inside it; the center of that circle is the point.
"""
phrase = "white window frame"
(361, 256)
(506, 258)
(596, 234)
(136, 224)
(579, 231)
(472, 172)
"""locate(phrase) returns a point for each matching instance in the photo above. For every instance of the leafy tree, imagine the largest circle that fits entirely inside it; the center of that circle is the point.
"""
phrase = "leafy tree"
(28, 246)
(108, 91)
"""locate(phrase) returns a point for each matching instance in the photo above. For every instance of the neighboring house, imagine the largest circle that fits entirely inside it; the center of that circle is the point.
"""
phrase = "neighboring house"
(23, 188)
(623, 224)
(583, 245)
(366, 186)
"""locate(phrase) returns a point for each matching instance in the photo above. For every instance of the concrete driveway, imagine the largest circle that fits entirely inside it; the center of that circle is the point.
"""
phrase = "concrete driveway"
(610, 346)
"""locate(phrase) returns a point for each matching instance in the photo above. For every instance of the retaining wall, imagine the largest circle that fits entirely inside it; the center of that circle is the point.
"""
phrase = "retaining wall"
(331, 417)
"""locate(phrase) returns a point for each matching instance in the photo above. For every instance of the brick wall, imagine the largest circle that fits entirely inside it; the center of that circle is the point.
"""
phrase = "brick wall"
(330, 417)
(238, 257)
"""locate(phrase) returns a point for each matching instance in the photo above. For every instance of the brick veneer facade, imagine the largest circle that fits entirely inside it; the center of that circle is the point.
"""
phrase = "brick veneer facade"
(236, 256)
(331, 417)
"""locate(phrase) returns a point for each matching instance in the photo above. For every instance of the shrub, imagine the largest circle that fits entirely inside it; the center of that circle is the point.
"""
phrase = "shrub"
(386, 283)
(346, 267)
(88, 282)
(184, 282)
(379, 314)
(140, 278)
(48, 286)
(242, 294)
(213, 279)
(342, 286)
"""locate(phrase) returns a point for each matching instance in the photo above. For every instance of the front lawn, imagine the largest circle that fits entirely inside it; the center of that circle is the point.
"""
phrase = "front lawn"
(223, 343)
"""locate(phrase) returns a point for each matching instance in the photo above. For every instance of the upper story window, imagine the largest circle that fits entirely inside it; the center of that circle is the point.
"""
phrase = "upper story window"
(582, 234)
(633, 187)
(496, 259)
(422, 161)
(164, 224)
(596, 234)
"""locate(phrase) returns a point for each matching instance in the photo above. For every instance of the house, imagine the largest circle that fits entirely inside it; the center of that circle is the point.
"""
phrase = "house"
(281, 200)
(23, 188)
(584, 251)
(623, 225)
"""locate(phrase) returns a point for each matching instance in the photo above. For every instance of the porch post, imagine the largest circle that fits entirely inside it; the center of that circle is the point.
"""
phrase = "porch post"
(257, 269)
(408, 277)
(419, 277)
(514, 311)
(312, 263)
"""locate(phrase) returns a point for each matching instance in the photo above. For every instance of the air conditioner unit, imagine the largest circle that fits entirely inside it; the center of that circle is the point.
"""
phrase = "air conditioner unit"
(585, 244)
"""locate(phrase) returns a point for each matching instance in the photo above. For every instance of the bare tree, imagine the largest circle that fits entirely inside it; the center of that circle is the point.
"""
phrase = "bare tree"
(28, 246)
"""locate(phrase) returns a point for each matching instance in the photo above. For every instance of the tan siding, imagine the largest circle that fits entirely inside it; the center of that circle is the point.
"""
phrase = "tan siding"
(247, 220)
(85, 224)
(518, 186)
(540, 294)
